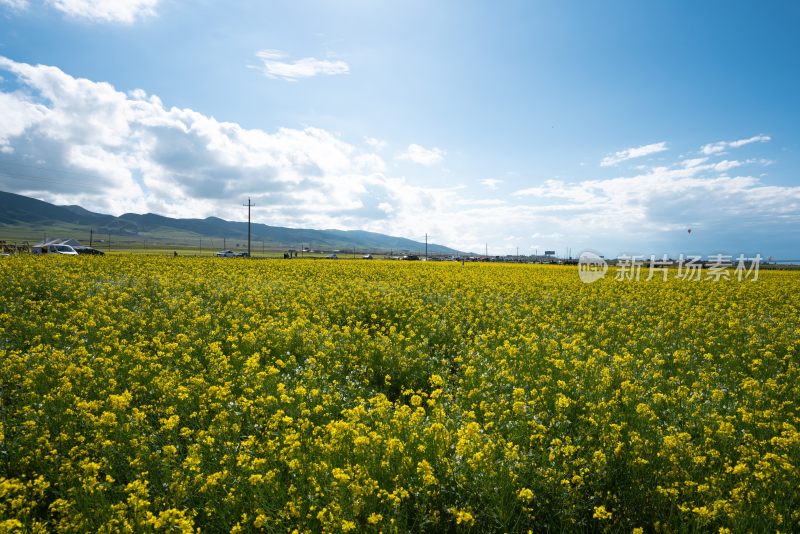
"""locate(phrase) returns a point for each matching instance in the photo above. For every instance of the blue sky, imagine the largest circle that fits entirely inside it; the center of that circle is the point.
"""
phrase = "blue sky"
(538, 125)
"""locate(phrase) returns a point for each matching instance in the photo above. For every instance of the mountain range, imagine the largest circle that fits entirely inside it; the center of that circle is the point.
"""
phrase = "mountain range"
(27, 218)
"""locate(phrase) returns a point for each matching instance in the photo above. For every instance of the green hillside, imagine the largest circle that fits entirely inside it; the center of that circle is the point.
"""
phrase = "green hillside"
(28, 219)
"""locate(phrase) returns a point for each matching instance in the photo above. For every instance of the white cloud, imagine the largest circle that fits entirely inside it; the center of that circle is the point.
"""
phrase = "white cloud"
(714, 148)
(273, 65)
(88, 143)
(374, 142)
(19, 114)
(754, 139)
(122, 11)
(631, 153)
(115, 11)
(720, 146)
(726, 165)
(646, 207)
(422, 156)
(370, 163)
(693, 162)
(491, 183)
(15, 4)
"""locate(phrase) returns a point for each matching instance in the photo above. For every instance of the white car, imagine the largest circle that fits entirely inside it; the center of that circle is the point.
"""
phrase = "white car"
(226, 254)
(62, 249)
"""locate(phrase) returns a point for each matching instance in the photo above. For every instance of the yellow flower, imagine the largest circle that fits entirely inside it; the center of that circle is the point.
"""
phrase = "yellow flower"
(601, 513)
(463, 517)
(525, 494)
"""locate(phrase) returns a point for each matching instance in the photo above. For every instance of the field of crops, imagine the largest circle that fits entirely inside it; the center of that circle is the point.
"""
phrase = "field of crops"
(171, 394)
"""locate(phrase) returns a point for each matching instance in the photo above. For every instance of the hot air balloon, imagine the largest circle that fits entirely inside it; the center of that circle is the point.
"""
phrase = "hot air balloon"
(690, 231)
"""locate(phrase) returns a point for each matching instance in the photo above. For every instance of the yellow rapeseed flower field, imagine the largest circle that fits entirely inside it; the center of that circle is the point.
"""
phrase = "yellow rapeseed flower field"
(180, 394)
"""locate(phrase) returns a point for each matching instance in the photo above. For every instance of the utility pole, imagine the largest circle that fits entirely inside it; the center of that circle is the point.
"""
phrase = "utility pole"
(109, 241)
(224, 245)
(426, 247)
(249, 205)
(201, 246)
(487, 250)
(91, 232)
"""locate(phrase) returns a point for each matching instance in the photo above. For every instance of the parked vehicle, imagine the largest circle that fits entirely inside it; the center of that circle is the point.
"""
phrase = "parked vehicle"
(89, 250)
(241, 254)
(66, 250)
(226, 254)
